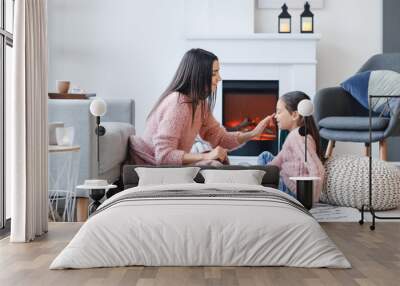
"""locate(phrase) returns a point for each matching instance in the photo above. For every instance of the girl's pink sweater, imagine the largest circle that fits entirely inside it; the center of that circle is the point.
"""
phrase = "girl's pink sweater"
(170, 133)
(290, 161)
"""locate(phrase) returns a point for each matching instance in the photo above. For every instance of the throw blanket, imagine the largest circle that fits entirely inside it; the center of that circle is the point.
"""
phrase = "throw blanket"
(206, 194)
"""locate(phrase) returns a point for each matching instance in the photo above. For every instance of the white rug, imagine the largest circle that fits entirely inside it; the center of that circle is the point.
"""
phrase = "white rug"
(329, 213)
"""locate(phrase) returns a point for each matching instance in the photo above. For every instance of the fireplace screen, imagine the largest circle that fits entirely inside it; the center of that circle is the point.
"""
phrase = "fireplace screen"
(244, 104)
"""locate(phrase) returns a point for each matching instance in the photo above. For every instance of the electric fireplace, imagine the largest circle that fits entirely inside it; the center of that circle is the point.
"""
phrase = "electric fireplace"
(244, 104)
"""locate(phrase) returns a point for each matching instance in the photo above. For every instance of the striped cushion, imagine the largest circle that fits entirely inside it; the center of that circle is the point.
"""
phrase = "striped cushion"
(379, 82)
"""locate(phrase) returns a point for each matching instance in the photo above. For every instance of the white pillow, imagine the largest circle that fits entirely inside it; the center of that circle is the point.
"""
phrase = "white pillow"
(248, 177)
(165, 176)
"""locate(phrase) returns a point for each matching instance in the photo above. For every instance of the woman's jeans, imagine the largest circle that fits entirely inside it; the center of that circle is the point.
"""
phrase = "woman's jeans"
(263, 159)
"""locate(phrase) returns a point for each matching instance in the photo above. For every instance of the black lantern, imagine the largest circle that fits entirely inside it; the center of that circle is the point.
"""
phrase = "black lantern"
(285, 20)
(307, 20)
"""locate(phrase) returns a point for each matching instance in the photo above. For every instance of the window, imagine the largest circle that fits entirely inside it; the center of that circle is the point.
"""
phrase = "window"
(9, 17)
(6, 44)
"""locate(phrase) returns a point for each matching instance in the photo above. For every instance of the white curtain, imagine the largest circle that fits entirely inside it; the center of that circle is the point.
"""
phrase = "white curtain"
(27, 134)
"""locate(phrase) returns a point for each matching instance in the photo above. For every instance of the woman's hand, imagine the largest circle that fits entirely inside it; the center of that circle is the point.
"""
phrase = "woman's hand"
(218, 153)
(267, 122)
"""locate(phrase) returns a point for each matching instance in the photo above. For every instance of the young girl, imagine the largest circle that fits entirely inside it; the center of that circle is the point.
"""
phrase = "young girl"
(290, 159)
(184, 111)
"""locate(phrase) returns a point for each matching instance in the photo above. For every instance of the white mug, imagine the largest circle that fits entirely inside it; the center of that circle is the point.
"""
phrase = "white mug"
(65, 136)
(52, 132)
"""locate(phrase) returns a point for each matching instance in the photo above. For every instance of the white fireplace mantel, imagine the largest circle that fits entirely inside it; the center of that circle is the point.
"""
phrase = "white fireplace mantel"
(254, 36)
(289, 58)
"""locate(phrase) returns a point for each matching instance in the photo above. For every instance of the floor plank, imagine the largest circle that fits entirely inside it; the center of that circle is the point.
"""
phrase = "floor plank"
(375, 257)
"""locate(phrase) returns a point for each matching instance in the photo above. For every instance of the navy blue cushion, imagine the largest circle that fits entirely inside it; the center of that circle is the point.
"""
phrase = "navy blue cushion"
(354, 123)
(357, 86)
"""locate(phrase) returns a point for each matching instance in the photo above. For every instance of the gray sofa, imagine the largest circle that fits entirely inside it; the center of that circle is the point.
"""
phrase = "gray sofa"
(119, 124)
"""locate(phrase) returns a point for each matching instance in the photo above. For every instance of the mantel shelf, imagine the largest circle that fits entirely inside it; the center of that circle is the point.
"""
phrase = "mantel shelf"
(255, 36)
(275, 61)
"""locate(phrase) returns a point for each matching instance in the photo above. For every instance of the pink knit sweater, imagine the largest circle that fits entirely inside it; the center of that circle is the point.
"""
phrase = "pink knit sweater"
(170, 133)
(290, 161)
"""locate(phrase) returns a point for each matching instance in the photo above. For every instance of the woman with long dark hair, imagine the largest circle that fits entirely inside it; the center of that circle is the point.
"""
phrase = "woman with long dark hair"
(290, 159)
(184, 111)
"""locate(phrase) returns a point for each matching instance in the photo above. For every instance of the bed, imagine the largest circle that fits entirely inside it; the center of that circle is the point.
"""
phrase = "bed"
(198, 224)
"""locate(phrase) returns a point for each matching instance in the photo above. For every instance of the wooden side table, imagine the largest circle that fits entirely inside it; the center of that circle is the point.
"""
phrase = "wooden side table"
(304, 190)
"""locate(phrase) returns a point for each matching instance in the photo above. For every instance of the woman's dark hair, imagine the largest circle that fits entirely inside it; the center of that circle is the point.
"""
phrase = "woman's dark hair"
(291, 100)
(193, 79)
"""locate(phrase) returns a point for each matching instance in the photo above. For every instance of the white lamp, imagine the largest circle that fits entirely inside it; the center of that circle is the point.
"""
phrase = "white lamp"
(305, 108)
(97, 188)
(98, 108)
(304, 185)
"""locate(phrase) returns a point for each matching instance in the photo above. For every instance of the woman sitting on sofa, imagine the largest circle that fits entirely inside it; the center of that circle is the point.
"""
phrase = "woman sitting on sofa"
(184, 111)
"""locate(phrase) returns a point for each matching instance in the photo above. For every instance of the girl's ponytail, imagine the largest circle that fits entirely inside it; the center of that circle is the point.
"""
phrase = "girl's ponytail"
(291, 100)
(314, 132)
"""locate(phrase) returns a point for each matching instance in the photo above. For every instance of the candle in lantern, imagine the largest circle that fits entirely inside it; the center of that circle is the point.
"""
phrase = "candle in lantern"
(307, 27)
(285, 27)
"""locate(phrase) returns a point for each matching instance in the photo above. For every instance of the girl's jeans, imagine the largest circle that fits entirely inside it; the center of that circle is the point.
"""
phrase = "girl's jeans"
(263, 159)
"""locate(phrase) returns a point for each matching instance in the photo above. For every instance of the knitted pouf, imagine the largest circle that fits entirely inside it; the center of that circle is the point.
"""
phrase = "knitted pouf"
(346, 183)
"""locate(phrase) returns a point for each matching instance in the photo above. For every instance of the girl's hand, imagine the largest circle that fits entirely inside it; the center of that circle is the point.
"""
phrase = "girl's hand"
(267, 122)
(217, 153)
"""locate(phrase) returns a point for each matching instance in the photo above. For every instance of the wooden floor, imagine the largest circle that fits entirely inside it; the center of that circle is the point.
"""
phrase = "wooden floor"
(375, 257)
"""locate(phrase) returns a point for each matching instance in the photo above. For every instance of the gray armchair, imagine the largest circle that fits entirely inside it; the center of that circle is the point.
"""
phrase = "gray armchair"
(341, 118)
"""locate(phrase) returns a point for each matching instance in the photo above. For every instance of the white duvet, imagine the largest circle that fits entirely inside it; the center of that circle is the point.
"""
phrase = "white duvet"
(183, 231)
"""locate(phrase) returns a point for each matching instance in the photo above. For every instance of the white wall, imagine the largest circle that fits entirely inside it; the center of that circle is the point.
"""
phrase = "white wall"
(115, 48)
(131, 48)
(351, 32)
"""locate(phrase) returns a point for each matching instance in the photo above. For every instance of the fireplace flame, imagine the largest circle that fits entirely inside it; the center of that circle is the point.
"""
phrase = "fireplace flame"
(247, 124)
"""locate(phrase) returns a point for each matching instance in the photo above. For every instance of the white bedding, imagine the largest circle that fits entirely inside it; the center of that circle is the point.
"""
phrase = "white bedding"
(182, 231)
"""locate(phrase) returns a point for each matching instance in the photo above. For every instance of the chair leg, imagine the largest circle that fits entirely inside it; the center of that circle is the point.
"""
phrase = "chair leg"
(383, 150)
(82, 209)
(329, 149)
(366, 149)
